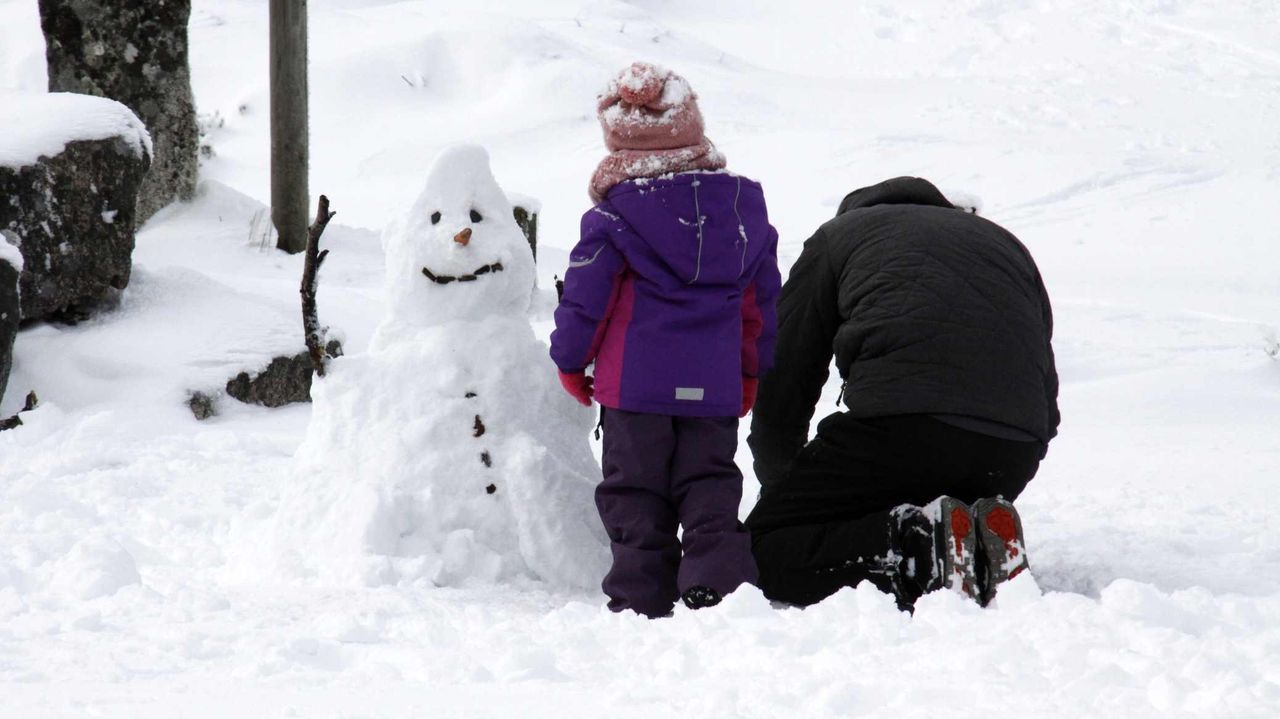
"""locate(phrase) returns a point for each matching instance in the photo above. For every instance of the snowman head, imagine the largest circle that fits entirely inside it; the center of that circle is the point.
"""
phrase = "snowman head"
(459, 253)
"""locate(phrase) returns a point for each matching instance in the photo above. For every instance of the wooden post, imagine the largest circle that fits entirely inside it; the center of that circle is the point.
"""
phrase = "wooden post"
(289, 162)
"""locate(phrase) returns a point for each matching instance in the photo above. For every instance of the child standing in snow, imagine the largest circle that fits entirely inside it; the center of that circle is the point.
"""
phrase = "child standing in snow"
(670, 293)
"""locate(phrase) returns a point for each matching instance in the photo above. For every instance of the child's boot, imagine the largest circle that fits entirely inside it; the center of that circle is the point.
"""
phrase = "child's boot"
(700, 597)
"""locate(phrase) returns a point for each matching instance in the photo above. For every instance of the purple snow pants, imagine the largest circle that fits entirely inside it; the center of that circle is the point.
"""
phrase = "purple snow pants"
(660, 471)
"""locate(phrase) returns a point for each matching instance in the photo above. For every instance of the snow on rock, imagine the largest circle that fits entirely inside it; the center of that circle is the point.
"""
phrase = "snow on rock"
(447, 452)
(38, 126)
(9, 251)
(528, 202)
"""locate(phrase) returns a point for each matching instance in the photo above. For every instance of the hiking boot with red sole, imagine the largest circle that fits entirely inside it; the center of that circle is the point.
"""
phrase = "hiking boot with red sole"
(956, 543)
(1002, 550)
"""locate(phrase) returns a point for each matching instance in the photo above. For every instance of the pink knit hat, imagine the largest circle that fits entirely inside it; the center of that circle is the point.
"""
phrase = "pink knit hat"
(652, 126)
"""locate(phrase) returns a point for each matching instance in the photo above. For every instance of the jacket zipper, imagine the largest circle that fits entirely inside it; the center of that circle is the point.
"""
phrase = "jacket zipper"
(697, 210)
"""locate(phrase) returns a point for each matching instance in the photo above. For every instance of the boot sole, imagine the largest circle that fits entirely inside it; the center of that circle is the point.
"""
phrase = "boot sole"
(957, 543)
(1003, 547)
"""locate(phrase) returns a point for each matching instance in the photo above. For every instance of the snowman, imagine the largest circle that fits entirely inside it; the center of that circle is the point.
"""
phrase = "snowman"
(447, 452)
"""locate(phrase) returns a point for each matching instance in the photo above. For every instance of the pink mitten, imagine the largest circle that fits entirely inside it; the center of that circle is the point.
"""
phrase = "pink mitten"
(578, 384)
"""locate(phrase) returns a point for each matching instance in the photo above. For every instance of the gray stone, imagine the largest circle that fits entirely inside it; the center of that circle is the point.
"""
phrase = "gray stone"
(133, 51)
(284, 381)
(9, 315)
(73, 218)
(16, 420)
(528, 222)
(202, 405)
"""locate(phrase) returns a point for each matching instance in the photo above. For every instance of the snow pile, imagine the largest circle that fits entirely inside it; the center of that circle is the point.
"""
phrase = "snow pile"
(94, 568)
(447, 452)
(1135, 651)
(36, 126)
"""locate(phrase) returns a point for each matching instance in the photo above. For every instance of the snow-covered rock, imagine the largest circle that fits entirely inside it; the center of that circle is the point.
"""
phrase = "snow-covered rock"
(70, 169)
(447, 452)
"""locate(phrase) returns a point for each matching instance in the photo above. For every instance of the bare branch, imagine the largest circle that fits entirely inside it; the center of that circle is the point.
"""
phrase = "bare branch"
(312, 331)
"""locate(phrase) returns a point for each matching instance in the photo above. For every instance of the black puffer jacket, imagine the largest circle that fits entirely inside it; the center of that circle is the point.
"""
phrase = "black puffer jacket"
(928, 310)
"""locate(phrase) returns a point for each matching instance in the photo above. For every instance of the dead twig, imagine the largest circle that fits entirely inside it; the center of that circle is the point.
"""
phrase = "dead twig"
(311, 328)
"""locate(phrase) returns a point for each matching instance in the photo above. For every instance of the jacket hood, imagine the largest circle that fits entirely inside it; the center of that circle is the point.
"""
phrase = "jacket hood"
(897, 191)
(706, 228)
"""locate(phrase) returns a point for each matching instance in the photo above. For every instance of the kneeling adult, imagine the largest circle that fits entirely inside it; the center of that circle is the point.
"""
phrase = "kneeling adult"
(940, 327)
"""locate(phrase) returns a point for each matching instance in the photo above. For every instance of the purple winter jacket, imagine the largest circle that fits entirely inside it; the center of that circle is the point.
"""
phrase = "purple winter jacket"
(671, 293)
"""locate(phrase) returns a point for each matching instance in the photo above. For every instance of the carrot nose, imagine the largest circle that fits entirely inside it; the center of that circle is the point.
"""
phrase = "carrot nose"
(463, 238)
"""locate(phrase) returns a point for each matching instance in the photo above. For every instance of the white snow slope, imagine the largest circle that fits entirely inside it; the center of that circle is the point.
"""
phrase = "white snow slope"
(1131, 144)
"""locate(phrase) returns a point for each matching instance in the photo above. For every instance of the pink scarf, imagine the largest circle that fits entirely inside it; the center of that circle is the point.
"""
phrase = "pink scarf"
(622, 165)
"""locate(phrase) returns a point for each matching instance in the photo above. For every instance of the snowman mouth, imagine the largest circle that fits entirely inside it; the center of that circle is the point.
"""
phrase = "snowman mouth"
(472, 277)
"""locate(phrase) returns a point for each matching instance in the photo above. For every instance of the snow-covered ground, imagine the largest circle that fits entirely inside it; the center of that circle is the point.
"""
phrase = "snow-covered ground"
(1131, 145)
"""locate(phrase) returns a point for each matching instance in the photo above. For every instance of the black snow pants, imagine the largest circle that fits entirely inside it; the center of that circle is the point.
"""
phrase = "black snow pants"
(662, 471)
(827, 522)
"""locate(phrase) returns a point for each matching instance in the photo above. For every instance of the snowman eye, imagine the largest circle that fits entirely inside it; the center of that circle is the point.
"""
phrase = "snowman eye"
(475, 216)
(435, 218)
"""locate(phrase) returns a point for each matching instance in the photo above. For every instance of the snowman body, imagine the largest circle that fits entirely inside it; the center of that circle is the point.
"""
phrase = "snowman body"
(447, 452)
